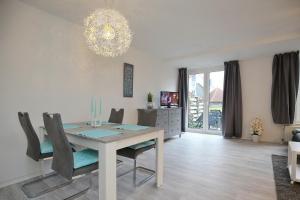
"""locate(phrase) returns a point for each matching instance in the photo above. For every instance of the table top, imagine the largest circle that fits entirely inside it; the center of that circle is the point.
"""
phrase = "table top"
(294, 146)
(124, 134)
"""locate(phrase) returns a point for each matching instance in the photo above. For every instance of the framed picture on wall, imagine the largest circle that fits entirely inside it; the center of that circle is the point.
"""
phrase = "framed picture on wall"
(128, 80)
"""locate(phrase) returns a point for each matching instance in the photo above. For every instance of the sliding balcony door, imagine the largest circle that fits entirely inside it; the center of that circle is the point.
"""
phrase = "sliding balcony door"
(205, 98)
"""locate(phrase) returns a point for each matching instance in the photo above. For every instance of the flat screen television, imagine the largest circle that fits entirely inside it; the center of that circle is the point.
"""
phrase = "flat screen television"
(169, 99)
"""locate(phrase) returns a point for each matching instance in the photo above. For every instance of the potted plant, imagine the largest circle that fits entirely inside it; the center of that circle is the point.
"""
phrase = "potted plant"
(150, 100)
(256, 129)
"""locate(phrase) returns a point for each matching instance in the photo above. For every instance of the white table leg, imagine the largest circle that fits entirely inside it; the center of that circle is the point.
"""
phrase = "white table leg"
(107, 172)
(294, 165)
(289, 156)
(159, 160)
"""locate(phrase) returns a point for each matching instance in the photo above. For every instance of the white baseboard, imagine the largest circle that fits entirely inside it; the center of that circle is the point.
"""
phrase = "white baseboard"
(44, 168)
(19, 179)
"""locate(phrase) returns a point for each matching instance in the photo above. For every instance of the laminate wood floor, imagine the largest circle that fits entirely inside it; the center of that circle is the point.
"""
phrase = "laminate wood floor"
(197, 167)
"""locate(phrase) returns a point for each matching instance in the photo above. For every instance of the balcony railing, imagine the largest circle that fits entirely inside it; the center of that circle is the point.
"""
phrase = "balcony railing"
(196, 112)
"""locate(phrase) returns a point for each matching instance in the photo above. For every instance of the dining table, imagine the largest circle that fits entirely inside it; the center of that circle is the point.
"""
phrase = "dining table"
(107, 138)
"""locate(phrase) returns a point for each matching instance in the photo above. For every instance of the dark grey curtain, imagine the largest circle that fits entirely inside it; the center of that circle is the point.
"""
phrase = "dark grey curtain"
(285, 82)
(232, 101)
(183, 94)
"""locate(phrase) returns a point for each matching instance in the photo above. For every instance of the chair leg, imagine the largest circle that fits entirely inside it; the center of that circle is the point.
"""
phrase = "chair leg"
(134, 170)
(48, 189)
(149, 171)
(119, 162)
(42, 166)
(79, 194)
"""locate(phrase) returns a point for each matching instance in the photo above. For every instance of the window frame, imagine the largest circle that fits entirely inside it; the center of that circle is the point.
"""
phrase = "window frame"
(297, 109)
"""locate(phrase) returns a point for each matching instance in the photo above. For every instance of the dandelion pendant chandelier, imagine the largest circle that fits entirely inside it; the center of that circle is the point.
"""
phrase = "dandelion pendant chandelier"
(107, 33)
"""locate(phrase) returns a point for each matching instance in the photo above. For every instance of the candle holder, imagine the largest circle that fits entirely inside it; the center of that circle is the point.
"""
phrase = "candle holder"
(96, 111)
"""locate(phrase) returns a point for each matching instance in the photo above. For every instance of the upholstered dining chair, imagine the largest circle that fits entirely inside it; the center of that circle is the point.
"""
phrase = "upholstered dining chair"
(145, 118)
(116, 116)
(36, 151)
(67, 163)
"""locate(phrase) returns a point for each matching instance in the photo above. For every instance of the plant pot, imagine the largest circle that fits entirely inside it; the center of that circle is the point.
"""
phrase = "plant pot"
(150, 105)
(255, 138)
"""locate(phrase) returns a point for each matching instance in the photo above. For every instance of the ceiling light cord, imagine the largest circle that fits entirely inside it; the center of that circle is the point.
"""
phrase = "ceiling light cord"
(109, 3)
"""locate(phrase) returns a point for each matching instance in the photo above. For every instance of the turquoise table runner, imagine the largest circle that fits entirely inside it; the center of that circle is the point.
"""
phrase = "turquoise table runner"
(70, 126)
(98, 133)
(131, 127)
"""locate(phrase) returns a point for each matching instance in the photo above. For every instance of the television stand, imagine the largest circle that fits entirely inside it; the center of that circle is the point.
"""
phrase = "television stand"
(169, 119)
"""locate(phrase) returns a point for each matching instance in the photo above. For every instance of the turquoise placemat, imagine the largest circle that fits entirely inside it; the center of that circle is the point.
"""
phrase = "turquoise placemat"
(107, 123)
(70, 126)
(103, 123)
(131, 127)
(98, 133)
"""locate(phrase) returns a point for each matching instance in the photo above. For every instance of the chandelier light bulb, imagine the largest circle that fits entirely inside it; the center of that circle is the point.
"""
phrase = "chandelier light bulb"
(108, 33)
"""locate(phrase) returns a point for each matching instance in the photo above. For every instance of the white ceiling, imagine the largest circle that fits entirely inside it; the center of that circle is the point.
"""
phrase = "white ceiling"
(198, 32)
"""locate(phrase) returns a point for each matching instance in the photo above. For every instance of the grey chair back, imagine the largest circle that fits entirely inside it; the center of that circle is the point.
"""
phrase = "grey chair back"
(33, 143)
(116, 116)
(63, 162)
(147, 117)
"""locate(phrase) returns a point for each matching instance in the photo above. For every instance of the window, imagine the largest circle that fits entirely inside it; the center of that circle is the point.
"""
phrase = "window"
(205, 99)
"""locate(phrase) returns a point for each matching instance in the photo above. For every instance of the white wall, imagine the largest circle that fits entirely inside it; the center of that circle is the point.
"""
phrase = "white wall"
(256, 77)
(45, 66)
